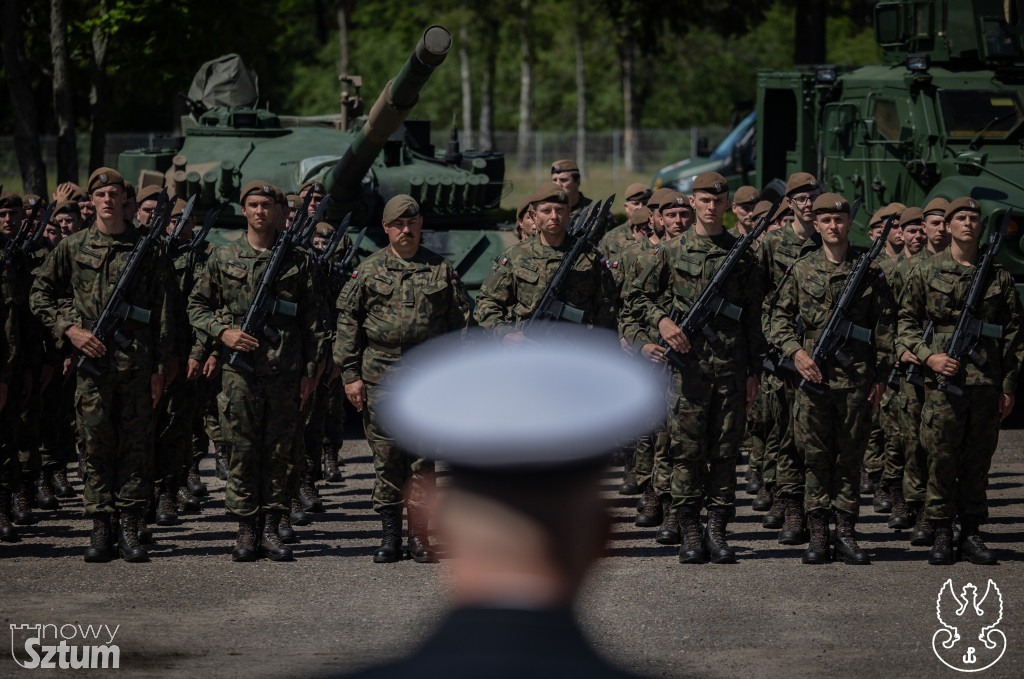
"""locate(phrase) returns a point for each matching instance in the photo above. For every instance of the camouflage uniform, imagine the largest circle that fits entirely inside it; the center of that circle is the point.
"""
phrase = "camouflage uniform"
(114, 411)
(960, 434)
(831, 430)
(615, 242)
(262, 407)
(883, 442)
(390, 305)
(9, 343)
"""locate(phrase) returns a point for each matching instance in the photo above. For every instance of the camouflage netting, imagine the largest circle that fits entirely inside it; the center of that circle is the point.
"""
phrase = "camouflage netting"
(225, 81)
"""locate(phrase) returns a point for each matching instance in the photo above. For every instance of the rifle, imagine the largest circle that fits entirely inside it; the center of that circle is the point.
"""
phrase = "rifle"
(264, 303)
(551, 307)
(969, 328)
(117, 309)
(16, 241)
(839, 329)
(346, 261)
(172, 237)
(208, 222)
(915, 372)
(710, 303)
(332, 245)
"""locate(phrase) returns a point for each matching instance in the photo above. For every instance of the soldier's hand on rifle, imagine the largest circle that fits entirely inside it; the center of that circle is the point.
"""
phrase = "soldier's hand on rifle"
(156, 387)
(85, 342)
(909, 357)
(356, 394)
(1006, 403)
(238, 340)
(753, 383)
(211, 367)
(653, 353)
(943, 365)
(673, 336)
(192, 371)
(806, 366)
(875, 395)
(306, 387)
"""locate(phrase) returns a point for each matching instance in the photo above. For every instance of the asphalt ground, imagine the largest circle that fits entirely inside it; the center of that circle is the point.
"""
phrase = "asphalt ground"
(193, 612)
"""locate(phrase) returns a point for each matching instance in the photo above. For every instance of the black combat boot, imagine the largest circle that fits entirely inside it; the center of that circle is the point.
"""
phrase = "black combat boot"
(900, 518)
(194, 481)
(941, 553)
(45, 497)
(390, 549)
(629, 486)
(61, 485)
(128, 543)
(8, 533)
(764, 499)
(923, 534)
(847, 548)
(817, 548)
(99, 550)
(719, 550)
(285, 530)
(187, 502)
(298, 515)
(776, 516)
(167, 504)
(270, 541)
(308, 496)
(651, 514)
(668, 534)
(145, 532)
(220, 461)
(692, 548)
(754, 481)
(245, 545)
(332, 473)
(882, 501)
(867, 483)
(971, 546)
(794, 531)
(419, 548)
(21, 510)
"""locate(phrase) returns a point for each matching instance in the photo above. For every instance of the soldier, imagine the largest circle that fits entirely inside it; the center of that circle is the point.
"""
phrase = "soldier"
(935, 227)
(510, 293)
(146, 198)
(961, 431)
(262, 406)
(677, 215)
(401, 296)
(131, 205)
(525, 226)
(67, 218)
(622, 236)
(114, 411)
(10, 468)
(566, 173)
(317, 189)
(292, 203)
(708, 404)
(743, 203)
(782, 467)
(85, 207)
(831, 429)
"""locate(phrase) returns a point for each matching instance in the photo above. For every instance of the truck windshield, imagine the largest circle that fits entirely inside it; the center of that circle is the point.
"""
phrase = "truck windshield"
(723, 150)
(968, 112)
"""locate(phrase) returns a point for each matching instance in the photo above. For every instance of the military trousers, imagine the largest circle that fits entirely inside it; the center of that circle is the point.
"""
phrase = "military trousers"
(831, 432)
(874, 453)
(788, 477)
(204, 416)
(264, 412)
(650, 461)
(313, 432)
(115, 418)
(705, 431)
(334, 422)
(960, 434)
(398, 474)
(756, 431)
(174, 428)
(57, 438)
(893, 451)
(915, 468)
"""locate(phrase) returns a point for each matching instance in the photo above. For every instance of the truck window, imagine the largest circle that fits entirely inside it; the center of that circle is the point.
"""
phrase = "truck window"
(887, 121)
(968, 112)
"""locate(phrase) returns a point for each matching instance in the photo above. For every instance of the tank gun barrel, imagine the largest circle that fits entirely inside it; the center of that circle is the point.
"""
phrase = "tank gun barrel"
(387, 115)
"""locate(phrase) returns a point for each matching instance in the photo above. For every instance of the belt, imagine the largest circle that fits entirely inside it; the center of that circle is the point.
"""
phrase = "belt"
(393, 349)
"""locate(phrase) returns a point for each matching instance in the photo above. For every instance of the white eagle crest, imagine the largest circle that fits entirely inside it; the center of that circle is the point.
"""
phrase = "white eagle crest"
(976, 617)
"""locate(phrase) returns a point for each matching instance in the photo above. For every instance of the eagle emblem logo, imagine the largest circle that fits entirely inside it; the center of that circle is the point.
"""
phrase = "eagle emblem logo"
(103, 177)
(969, 640)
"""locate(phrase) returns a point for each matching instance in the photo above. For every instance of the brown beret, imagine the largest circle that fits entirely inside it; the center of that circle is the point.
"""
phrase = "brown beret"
(876, 219)
(660, 196)
(891, 210)
(801, 181)
(65, 206)
(963, 203)
(400, 206)
(912, 215)
(324, 230)
(711, 182)
(179, 207)
(831, 202)
(148, 192)
(783, 211)
(524, 205)
(9, 199)
(293, 200)
(261, 188)
(746, 194)
(564, 166)
(761, 209)
(936, 206)
(638, 191)
(129, 189)
(104, 176)
(548, 192)
(675, 200)
(30, 200)
(640, 217)
(80, 196)
(314, 186)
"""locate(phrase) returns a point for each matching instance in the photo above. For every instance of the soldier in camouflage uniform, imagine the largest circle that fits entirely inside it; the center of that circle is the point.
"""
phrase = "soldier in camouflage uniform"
(831, 429)
(9, 343)
(708, 403)
(960, 431)
(262, 406)
(743, 203)
(401, 296)
(621, 237)
(114, 411)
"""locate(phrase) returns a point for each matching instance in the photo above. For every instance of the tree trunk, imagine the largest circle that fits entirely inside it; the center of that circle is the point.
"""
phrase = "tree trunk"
(631, 133)
(467, 89)
(23, 104)
(98, 98)
(581, 100)
(525, 87)
(343, 13)
(487, 90)
(63, 102)
(809, 46)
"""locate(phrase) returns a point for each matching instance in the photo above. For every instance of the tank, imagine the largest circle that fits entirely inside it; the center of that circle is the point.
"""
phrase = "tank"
(944, 118)
(363, 161)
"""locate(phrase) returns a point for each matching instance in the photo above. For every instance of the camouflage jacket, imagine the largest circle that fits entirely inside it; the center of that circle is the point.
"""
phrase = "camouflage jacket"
(73, 284)
(635, 259)
(611, 248)
(224, 292)
(8, 341)
(776, 253)
(935, 291)
(897, 282)
(188, 269)
(675, 278)
(521, 275)
(811, 290)
(392, 304)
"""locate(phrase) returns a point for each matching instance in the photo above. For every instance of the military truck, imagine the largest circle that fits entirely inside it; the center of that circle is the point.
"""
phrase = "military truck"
(363, 160)
(733, 158)
(943, 118)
